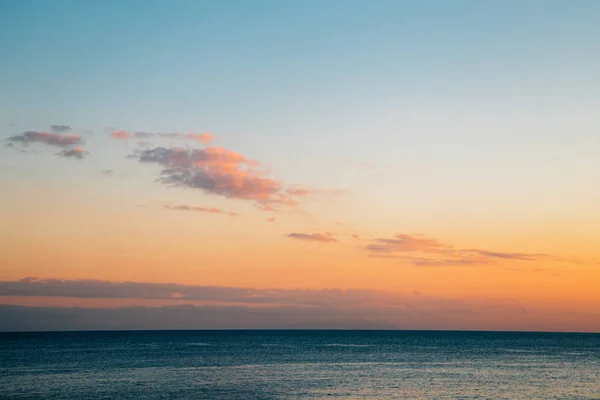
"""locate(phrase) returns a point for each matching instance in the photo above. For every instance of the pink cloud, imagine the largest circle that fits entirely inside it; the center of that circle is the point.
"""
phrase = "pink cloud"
(390, 247)
(204, 138)
(51, 139)
(121, 135)
(218, 171)
(271, 219)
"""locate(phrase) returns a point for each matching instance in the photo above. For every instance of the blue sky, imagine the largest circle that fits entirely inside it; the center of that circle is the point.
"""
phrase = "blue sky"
(424, 90)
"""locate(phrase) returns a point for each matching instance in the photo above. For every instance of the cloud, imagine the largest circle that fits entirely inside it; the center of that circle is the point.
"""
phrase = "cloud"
(100, 289)
(107, 172)
(303, 191)
(404, 242)
(313, 237)
(267, 207)
(177, 306)
(145, 290)
(218, 171)
(355, 236)
(144, 134)
(441, 314)
(51, 139)
(60, 128)
(76, 152)
(120, 135)
(504, 255)
(204, 138)
(428, 262)
(183, 207)
(183, 317)
(389, 247)
(143, 144)
(271, 219)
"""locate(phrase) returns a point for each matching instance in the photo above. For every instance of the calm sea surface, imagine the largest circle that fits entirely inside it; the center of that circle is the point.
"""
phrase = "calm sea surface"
(299, 365)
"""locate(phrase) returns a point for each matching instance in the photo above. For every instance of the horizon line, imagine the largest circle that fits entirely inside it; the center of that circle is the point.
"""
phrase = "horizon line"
(300, 330)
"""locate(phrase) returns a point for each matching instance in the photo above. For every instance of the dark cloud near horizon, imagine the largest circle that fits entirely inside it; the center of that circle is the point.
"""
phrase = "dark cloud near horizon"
(20, 318)
(266, 309)
(449, 317)
(142, 290)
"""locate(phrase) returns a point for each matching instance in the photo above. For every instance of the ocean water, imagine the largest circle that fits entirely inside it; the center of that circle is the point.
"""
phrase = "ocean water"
(250, 365)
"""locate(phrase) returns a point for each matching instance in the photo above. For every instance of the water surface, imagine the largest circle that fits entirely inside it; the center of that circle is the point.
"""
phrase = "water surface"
(299, 365)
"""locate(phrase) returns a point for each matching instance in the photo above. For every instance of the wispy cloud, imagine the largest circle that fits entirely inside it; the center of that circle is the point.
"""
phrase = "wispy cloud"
(143, 144)
(267, 207)
(304, 191)
(451, 256)
(60, 128)
(48, 138)
(204, 138)
(448, 262)
(144, 134)
(505, 255)
(326, 237)
(107, 172)
(403, 242)
(271, 219)
(120, 135)
(184, 207)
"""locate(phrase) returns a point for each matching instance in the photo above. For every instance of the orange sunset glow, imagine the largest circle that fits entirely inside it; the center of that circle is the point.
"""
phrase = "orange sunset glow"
(445, 181)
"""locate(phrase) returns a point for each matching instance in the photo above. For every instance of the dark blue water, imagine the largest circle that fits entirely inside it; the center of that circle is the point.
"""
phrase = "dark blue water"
(299, 365)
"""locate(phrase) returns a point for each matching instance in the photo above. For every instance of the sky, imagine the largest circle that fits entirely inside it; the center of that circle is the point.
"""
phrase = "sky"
(277, 164)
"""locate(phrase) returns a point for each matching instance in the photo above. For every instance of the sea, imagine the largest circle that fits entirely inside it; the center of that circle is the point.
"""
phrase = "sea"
(246, 365)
